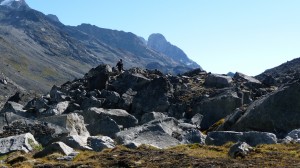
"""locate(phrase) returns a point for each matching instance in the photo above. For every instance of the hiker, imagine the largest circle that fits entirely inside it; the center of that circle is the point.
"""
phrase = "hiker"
(120, 65)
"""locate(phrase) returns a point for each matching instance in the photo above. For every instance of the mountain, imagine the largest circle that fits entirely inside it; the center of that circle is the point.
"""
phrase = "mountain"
(284, 73)
(38, 51)
(159, 43)
(14, 4)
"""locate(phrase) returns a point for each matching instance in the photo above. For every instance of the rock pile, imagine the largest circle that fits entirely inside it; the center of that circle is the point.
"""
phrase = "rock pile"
(106, 108)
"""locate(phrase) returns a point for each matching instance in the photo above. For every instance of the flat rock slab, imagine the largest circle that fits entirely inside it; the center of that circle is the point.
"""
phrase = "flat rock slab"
(153, 135)
(24, 142)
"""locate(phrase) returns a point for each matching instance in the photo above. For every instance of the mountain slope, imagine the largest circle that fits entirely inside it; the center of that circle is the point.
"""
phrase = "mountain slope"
(38, 51)
(283, 73)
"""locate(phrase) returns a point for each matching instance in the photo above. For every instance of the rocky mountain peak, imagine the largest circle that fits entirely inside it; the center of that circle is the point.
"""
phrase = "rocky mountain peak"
(14, 4)
(159, 43)
(53, 17)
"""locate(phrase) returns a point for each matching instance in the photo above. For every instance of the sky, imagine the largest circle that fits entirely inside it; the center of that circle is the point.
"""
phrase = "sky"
(222, 36)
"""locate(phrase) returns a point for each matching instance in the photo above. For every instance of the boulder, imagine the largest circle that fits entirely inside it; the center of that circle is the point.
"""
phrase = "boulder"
(278, 112)
(99, 123)
(293, 136)
(91, 102)
(153, 135)
(111, 98)
(160, 133)
(76, 142)
(121, 117)
(129, 80)
(193, 72)
(56, 147)
(230, 120)
(218, 81)
(23, 142)
(126, 99)
(216, 108)
(248, 80)
(152, 116)
(239, 149)
(154, 97)
(252, 138)
(56, 95)
(37, 103)
(13, 107)
(98, 143)
(193, 136)
(43, 132)
(98, 77)
(196, 120)
(73, 122)
(57, 109)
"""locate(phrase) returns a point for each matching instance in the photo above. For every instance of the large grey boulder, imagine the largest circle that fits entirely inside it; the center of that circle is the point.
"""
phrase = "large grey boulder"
(43, 132)
(126, 99)
(293, 136)
(121, 117)
(152, 116)
(56, 147)
(111, 98)
(23, 142)
(215, 108)
(252, 138)
(91, 102)
(129, 80)
(37, 103)
(239, 149)
(98, 77)
(230, 120)
(99, 123)
(160, 133)
(218, 81)
(73, 122)
(153, 135)
(154, 97)
(13, 107)
(193, 136)
(76, 142)
(248, 80)
(98, 143)
(12, 124)
(278, 112)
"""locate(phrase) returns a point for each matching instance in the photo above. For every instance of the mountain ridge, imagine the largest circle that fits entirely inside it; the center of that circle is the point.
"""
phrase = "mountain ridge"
(40, 51)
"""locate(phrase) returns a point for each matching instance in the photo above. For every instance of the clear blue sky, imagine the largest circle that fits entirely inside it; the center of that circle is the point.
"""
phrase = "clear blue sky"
(248, 36)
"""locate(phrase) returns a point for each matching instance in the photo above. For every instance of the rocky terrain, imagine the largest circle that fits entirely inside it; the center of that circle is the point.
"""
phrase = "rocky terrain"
(139, 107)
(140, 117)
(38, 51)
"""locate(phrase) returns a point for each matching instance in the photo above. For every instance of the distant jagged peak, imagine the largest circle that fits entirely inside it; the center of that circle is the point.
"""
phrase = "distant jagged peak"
(14, 4)
(158, 42)
(53, 17)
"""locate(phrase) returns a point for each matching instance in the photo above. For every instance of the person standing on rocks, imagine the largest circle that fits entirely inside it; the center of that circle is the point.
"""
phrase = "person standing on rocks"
(120, 65)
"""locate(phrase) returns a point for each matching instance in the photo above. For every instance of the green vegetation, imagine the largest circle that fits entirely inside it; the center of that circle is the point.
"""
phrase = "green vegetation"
(193, 155)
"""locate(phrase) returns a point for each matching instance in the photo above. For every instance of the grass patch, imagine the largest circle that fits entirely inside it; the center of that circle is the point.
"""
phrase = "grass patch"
(36, 147)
